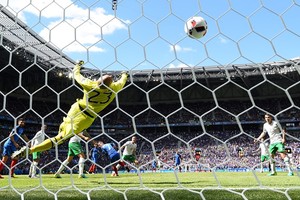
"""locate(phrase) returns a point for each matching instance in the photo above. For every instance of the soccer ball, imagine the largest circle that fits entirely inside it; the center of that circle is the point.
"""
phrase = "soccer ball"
(195, 27)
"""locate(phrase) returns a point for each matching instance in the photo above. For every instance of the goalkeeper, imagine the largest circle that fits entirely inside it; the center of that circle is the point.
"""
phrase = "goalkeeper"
(96, 96)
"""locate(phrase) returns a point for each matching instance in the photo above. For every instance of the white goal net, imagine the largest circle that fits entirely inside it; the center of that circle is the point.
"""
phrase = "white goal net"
(201, 99)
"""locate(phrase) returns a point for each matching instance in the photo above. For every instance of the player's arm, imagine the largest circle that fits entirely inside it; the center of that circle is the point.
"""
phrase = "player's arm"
(11, 137)
(85, 133)
(26, 138)
(122, 147)
(263, 133)
(83, 136)
(119, 84)
(83, 81)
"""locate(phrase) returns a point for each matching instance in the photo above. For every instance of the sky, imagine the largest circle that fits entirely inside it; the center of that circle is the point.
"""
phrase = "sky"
(149, 34)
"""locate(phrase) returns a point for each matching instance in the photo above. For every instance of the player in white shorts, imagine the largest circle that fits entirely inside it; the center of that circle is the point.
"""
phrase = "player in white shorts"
(277, 140)
(36, 140)
(264, 154)
(129, 153)
(75, 149)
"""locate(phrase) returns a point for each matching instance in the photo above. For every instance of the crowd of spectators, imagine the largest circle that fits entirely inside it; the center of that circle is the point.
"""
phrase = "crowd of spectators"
(216, 154)
(219, 146)
(156, 114)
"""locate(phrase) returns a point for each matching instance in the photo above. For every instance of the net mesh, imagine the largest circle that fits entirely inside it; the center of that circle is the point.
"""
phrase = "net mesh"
(202, 98)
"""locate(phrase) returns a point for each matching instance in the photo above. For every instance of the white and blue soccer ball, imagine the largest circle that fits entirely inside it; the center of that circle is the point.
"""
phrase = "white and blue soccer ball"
(195, 27)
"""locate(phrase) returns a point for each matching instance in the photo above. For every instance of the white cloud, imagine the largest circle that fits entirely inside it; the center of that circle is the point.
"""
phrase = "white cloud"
(180, 65)
(67, 23)
(179, 48)
(223, 40)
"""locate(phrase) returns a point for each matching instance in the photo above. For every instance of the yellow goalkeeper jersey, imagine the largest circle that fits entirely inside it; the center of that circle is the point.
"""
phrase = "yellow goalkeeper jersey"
(96, 98)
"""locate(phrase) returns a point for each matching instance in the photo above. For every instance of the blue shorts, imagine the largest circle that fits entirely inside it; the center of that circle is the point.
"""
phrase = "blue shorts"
(8, 150)
(115, 157)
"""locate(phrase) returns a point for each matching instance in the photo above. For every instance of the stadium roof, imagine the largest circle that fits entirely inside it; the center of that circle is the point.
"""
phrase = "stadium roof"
(21, 38)
(18, 38)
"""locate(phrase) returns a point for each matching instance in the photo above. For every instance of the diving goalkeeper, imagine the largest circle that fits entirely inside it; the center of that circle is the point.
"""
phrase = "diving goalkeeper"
(96, 96)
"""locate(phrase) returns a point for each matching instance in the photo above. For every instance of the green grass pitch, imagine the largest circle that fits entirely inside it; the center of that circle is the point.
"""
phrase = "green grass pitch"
(154, 186)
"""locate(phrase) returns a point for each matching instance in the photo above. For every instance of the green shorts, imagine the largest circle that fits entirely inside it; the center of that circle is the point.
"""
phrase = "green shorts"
(276, 147)
(75, 149)
(264, 158)
(129, 158)
(36, 155)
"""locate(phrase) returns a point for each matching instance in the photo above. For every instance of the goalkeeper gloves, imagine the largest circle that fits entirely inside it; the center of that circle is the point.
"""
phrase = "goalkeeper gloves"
(80, 62)
(125, 72)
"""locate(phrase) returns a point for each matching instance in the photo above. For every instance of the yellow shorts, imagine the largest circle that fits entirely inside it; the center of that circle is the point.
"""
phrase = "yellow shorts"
(75, 122)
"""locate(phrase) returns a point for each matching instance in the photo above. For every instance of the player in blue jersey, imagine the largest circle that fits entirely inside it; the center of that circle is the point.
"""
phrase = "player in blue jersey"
(97, 95)
(113, 155)
(154, 165)
(177, 159)
(94, 153)
(11, 145)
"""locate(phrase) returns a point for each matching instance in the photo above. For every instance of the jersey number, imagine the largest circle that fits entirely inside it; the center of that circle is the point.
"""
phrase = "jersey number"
(96, 94)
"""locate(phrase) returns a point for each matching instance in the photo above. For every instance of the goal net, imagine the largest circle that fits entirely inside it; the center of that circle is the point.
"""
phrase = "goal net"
(195, 106)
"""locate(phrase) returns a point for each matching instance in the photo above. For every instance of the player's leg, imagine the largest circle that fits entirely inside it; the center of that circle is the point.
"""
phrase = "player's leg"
(30, 170)
(36, 158)
(272, 150)
(45, 145)
(285, 158)
(272, 163)
(75, 149)
(287, 164)
(2, 162)
(12, 167)
(63, 166)
(57, 140)
(91, 169)
(74, 123)
(115, 171)
(81, 165)
(114, 167)
(93, 166)
(123, 164)
(262, 160)
(9, 151)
